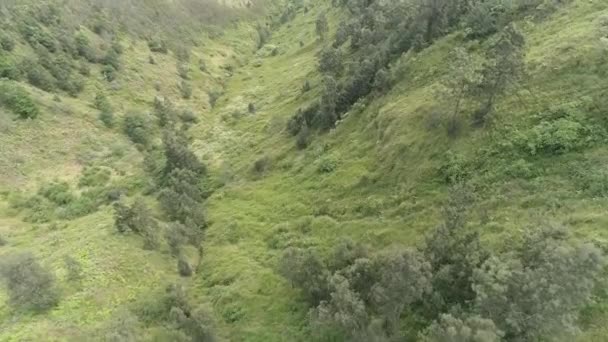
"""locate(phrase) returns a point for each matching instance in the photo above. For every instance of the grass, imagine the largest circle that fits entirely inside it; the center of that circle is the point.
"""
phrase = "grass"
(383, 186)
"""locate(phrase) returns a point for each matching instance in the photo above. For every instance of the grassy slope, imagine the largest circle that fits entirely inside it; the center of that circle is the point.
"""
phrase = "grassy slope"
(385, 189)
(59, 144)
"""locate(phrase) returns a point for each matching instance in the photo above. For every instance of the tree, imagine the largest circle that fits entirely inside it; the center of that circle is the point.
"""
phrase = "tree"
(137, 127)
(452, 329)
(463, 77)
(178, 154)
(403, 278)
(330, 61)
(327, 117)
(321, 26)
(344, 311)
(305, 269)
(136, 218)
(342, 35)
(29, 285)
(504, 69)
(537, 290)
(454, 253)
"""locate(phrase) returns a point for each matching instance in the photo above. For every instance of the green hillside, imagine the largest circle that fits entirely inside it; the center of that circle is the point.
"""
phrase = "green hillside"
(356, 171)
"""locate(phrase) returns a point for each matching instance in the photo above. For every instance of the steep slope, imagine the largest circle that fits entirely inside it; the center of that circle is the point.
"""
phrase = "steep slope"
(379, 178)
(68, 143)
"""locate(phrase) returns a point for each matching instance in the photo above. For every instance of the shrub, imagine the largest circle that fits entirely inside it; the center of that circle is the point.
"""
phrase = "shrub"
(188, 116)
(8, 69)
(183, 70)
(151, 234)
(83, 205)
(306, 87)
(112, 58)
(136, 218)
(17, 100)
(73, 268)
(84, 49)
(107, 118)
(185, 89)
(3, 241)
(95, 176)
(327, 165)
(7, 43)
(261, 165)
(251, 108)
(158, 45)
(38, 76)
(137, 127)
(176, 237)
(183, 266)
(29, 285)
(57, 192)
(214, 95)
(109, 73)
(101, 103)
(303, 138)
(123, 327)
(449, 328)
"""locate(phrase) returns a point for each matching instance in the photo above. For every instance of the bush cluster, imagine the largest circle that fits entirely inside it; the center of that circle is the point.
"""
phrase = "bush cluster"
(451, 284)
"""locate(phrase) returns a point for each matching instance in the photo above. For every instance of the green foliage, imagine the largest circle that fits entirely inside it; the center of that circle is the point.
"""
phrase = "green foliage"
(123, 327)
(183, 266)
(305, 269)
(514, 289)
(107, 118)
(8, 68)
(559, 130)
(261, 165)
(137, 218)
(7, 43)
(504, 69)
(263, 35)
(185, 89)
(137, 127)
(73, 268)
(330, 61)
(460, 82)
(109, 73)
(17, 100)
(158, 45)
(57, 192)
(84, 48)
(327, 165)
(452, 329)
(183, 70)
(29, 285)
(321, 26)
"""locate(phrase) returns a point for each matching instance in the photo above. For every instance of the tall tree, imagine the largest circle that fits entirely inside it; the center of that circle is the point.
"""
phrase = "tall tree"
(504, 69)
(463, 77)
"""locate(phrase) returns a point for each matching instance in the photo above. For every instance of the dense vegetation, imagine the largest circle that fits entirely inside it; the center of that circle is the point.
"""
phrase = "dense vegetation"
(303, 170)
